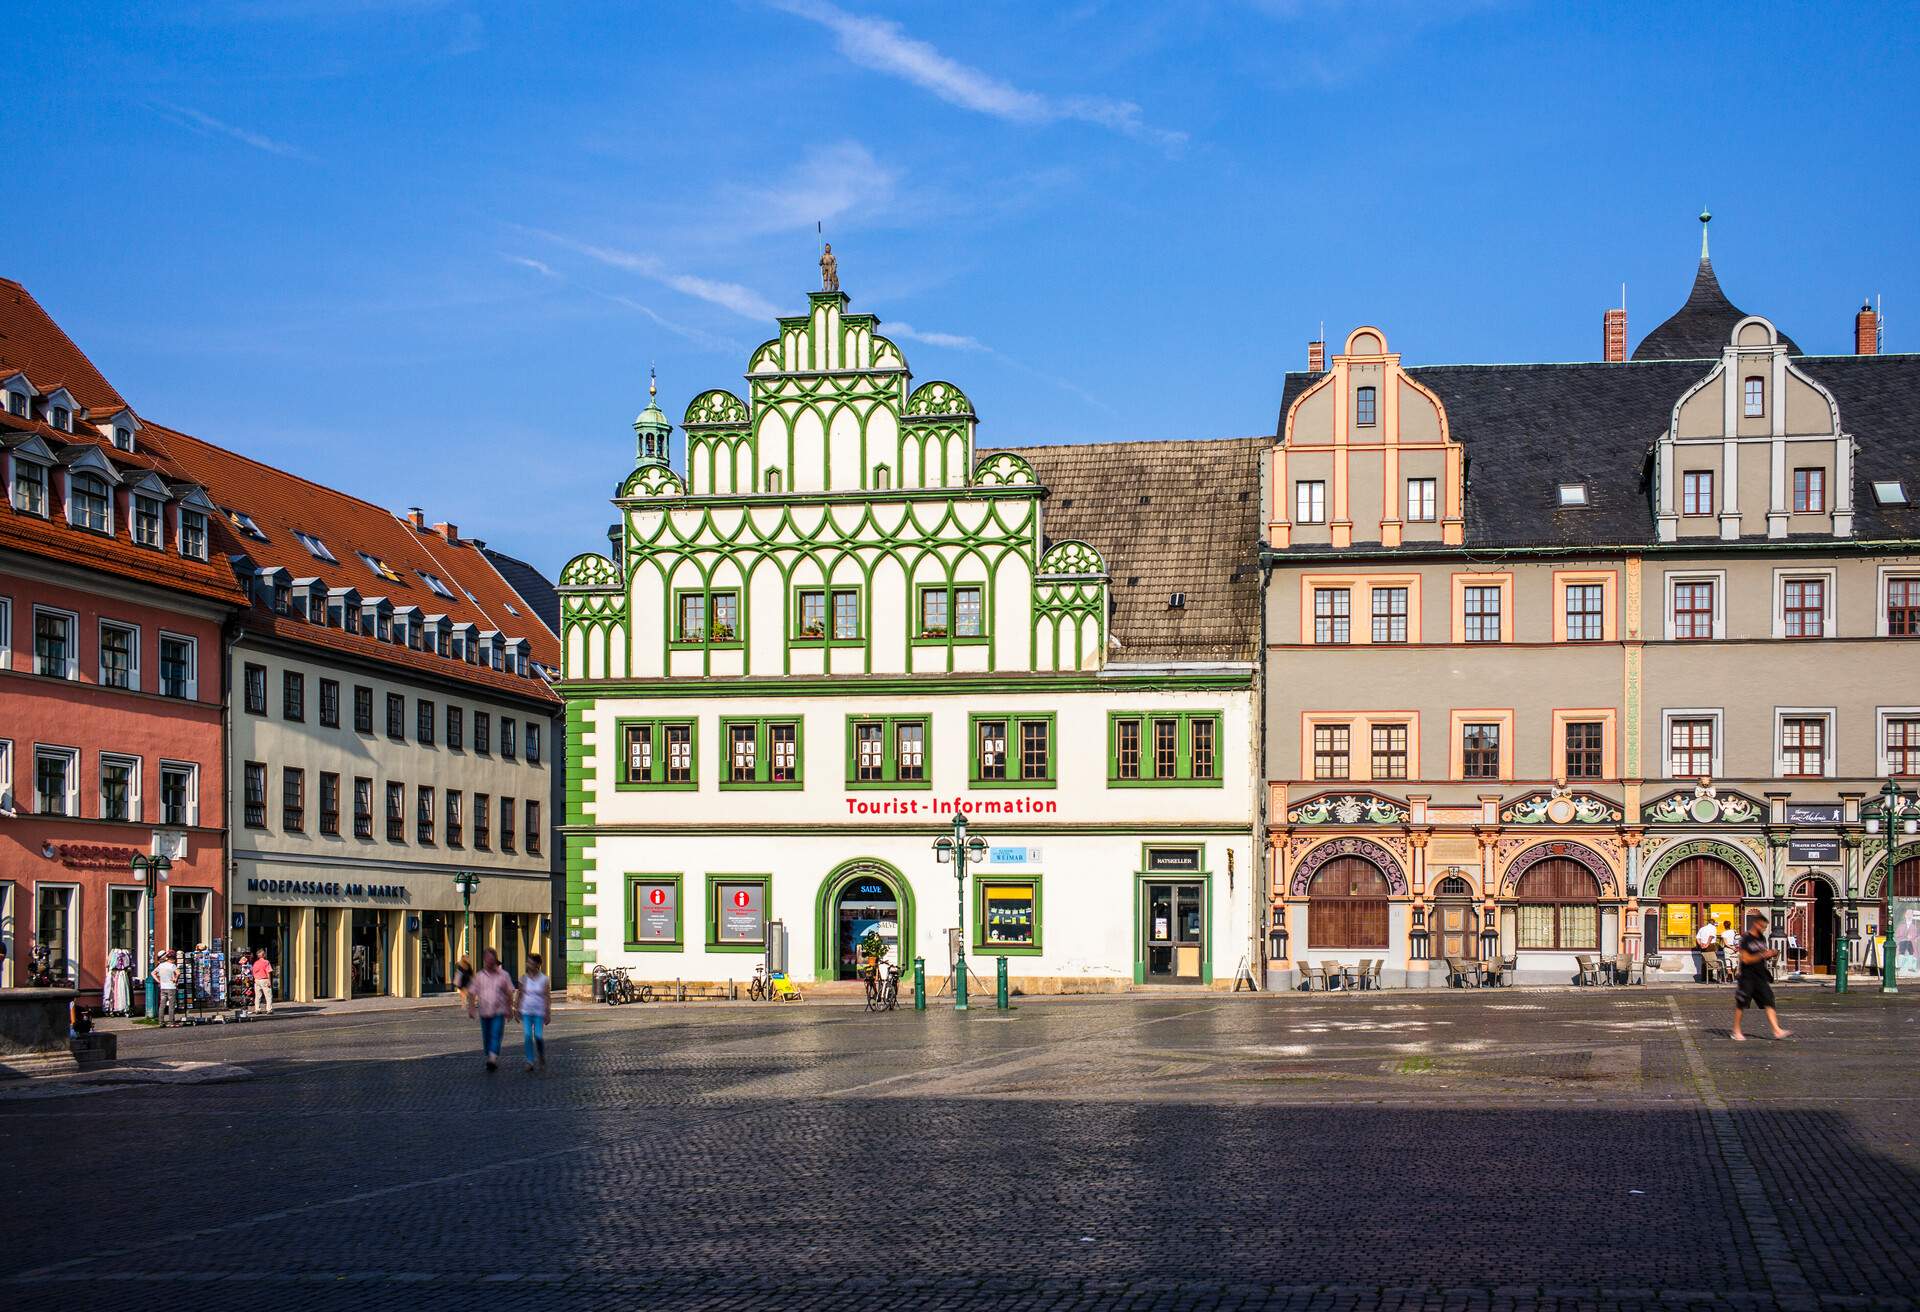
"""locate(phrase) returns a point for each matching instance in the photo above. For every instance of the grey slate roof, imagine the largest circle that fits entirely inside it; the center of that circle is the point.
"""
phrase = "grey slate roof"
(531, 584)
(1701, 326)
(1168, 516)
(1528, 428)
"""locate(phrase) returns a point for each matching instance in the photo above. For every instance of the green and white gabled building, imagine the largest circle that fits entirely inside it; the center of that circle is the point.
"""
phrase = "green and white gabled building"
(838, 623)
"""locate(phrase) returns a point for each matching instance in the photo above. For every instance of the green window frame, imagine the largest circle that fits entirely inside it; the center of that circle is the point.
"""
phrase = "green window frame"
(1025, 753)
(836, 614)
(774, 755)
(882, 751)
(1164, 749)
(940, 610)
(655, 753)
(723, 883)
(701, 609)
(634, 883)
(983, 943)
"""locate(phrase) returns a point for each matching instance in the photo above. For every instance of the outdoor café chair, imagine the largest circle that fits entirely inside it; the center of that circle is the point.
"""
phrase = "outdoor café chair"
(1373, 971)
(1310, 972)
(1333, 973)
(1589, 973)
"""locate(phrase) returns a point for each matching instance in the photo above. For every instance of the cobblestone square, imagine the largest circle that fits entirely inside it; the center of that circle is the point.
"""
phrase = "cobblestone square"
(1594, 1149)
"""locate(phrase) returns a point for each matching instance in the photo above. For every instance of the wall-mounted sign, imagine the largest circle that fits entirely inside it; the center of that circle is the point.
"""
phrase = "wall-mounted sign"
(1813, 813)
(656, 912)
(1173, 858)
(974, 807)
(1013, 856)
(742, 912)
(1814, 851)
(326, 888)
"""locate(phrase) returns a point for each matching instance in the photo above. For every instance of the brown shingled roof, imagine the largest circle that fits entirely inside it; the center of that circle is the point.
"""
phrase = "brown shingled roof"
(1174, 516)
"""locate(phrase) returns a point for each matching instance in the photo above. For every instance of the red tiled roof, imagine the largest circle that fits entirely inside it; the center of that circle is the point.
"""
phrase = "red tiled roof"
(279, 503)
(33, 344)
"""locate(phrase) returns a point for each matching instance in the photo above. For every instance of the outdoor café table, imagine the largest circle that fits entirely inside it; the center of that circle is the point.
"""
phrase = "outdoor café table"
(1610, 970)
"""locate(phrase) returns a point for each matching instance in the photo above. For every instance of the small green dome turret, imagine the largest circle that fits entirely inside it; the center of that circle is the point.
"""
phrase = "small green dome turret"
(651, 428)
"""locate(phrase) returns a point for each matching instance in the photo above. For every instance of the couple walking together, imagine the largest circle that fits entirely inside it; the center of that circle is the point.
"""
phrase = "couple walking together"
(492, 996)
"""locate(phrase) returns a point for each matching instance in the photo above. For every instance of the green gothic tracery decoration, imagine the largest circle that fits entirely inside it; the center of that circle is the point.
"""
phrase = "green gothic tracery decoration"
(717, 406)
(1004, 469)
(1072, 557)
(1671, 856)
(938, 398)
(653, 481)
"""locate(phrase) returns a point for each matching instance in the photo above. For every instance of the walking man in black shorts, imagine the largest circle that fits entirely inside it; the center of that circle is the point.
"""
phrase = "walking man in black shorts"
(1755, 987)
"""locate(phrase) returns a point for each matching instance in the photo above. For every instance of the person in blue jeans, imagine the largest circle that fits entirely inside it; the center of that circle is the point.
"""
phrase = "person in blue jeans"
(490, 997)
(536, 992)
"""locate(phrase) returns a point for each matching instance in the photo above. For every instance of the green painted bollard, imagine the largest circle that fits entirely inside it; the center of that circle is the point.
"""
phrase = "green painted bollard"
(1000, 985)
(1839, 964)
(919, 983)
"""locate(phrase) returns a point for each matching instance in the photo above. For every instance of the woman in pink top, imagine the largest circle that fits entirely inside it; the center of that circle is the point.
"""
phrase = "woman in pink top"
(490, 997)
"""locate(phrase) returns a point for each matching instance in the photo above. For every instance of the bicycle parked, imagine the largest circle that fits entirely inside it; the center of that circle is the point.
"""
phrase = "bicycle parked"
(621, 987)
(883, 986)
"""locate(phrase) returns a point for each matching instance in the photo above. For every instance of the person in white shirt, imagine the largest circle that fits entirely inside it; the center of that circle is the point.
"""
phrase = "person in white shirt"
(534, 1003)
(167, 976)
(1706, 942)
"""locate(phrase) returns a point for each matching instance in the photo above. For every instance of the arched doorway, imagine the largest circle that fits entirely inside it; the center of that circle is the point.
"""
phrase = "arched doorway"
(1557, 907)
(1347, 905)
(861, 896)
(1456, 920)
(1811, 925)
(1697, 891)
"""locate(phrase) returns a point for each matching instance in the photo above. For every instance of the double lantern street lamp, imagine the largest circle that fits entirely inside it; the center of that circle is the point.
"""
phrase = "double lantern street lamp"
(152, 871)
(960, 850)
(1890, 822)
(468, 883)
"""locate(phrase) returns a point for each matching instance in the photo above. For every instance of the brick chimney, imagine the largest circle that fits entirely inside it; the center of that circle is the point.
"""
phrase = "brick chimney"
(1616, 334)
(416, 517)
(1316, 357)
(451, 532)
(1866, 330)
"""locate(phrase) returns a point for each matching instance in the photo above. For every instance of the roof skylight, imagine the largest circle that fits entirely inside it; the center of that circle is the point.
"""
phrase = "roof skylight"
(244, 522)
(380, 567)
(1573, 494)
(315, 547)
(1890, 492)
(439, 589)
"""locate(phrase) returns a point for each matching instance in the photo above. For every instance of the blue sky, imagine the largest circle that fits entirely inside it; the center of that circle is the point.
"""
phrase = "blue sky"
(426, 251)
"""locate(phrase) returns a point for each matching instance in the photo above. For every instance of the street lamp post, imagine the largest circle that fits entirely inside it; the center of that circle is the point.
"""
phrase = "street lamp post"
(960, 849)
(151, 870)
(468, 883)
(1892, 801)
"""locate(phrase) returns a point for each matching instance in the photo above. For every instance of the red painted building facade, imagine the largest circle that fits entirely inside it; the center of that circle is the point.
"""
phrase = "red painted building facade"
(114, 589)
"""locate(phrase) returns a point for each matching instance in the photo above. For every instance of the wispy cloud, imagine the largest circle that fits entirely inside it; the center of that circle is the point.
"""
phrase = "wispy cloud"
(743, 301)
(829, 182)
(197, 121)
(699, 337)
(952, 341)
(885, 47)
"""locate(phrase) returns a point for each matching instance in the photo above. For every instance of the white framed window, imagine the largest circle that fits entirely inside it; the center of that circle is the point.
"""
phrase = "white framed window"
(119, 655)
(1896, 741)
(179, 793)
(1420, 499)
(56, 643)
(1754, 398)
(1696, 605)
(7, 805)
(60, 417)
(1696, 492)
(1310, 501)
(1693, 737)
(193, 534)
(6, 633)
(17, 403)
(1571, 495)
(1803, 746)
(56, 927)
(179, 666)
(119, 787)
(123, 437)
(89, 503)
(1803, 603)
(1898, 613)
(149, 522)
(29, 487)
(56, 780)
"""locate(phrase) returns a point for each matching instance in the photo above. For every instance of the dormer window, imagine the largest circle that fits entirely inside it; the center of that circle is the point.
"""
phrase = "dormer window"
(315, 547)
(438, 588)
(382, 626)
(90, 506)
(1890, 492)
(193, 534)
(123, 438)
(29, 487)
(17, 404)
(1364, 406)
(282, 598)
(243, 522)
(61, 418)
(148, 526)
(1756, 398)
(1573, 494)
(350, 616)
